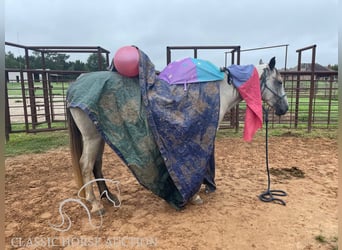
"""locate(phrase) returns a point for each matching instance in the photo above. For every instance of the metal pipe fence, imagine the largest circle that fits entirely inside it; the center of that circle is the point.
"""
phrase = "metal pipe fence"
(312, 104)
(35, 101)
(39, 105)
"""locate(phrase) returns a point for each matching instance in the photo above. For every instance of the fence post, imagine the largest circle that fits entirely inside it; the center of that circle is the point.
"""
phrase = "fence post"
(48, 115)
(99, 58)
(31, 91)
(23, 94)
(312, 88)
(7, 113)
(312, 84)
(298, 88)
(330, 97)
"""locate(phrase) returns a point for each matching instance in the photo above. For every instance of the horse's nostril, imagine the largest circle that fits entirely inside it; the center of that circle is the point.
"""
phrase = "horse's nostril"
(284, 111)
(281, 110)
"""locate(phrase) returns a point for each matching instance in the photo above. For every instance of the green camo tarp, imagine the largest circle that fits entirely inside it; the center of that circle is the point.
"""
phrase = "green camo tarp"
(114, 104)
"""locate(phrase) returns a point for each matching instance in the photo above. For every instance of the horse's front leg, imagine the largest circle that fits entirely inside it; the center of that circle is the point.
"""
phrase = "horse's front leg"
(91, 147)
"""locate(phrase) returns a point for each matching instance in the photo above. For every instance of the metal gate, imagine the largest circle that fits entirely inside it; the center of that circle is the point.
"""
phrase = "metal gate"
(36, 101)
(35, 98)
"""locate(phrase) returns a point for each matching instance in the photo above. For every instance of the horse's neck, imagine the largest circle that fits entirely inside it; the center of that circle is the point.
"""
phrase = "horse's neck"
(229, 97)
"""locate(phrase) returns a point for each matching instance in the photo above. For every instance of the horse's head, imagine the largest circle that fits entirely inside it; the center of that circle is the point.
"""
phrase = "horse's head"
(272, 89)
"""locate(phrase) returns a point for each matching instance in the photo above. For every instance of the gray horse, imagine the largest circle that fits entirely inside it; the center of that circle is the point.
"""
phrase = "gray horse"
(87, 145)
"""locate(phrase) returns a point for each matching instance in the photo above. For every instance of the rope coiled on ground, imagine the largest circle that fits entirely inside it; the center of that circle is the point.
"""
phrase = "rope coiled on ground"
(268, 195)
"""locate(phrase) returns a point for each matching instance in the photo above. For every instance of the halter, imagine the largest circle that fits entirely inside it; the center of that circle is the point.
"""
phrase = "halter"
(263, 86)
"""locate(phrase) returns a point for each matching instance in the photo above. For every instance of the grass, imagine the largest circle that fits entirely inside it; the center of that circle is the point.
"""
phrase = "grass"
(321, 239)
(58, 88)
(320, 105)
(21, 126)
(281, 132)
(324, 240)
(22, 143)
(319, 115)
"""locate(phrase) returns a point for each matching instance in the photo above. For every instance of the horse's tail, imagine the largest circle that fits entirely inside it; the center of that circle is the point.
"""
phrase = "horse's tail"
(76, 148)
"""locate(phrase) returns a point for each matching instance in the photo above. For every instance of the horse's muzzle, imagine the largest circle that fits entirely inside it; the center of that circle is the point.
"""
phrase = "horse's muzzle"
(281, 110)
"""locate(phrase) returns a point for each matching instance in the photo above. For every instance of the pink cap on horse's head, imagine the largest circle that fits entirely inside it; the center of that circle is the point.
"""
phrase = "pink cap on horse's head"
(126, 61)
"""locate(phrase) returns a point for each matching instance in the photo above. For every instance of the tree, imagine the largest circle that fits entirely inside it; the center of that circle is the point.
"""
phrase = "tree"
(13, 62)
(35, 60)
(54, 61)
(93, 62)
(78, 65)
(333, 67)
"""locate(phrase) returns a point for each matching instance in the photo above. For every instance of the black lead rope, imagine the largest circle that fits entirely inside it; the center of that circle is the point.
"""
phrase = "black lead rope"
(269, 194)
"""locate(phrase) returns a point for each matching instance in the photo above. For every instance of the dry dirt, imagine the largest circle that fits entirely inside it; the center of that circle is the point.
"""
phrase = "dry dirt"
(231, 218)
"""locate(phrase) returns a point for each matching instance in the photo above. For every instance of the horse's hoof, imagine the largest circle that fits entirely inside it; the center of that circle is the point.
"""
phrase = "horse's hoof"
(98, 212)
(209, 190)
(111, 198)
(196, 200)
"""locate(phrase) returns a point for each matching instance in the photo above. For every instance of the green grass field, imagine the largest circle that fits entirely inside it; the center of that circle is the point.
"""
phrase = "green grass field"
(21, 126)
(22, 143)
(58, 88)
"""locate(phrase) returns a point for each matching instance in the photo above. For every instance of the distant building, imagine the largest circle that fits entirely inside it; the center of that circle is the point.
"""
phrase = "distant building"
(14, 76)
(306, 67)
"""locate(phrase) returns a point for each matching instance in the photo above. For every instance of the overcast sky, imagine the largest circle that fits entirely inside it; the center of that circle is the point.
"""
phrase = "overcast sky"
(154, 24)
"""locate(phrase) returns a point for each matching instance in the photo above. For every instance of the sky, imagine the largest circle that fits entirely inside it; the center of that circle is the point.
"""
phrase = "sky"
(152, 25)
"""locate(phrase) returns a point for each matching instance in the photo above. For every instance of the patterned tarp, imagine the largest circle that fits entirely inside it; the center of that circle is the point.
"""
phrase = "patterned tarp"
(184, 124)
(164, 134)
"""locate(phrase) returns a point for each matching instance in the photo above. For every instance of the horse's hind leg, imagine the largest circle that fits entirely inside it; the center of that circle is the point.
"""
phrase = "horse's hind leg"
(87, 162)
(92, 142)
(103, 189)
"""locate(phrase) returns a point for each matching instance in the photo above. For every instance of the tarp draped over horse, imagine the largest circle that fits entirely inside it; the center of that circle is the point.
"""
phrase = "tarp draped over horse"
(190, 70)
(164, 134)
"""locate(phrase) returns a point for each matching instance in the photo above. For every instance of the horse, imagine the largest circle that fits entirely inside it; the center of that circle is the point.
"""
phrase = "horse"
(87, 145)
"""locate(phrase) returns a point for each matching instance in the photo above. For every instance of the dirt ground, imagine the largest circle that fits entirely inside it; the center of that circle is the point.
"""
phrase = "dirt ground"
(231, 218)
